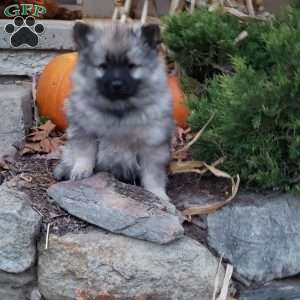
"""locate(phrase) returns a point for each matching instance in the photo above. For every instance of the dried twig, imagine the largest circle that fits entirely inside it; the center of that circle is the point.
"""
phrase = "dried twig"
(191, 166)
(212, 207)
(243, 35)
(230, 3)
(216, 283)
(27, 179)
(250, 8)
(47, 236)
(193, 4)
(226, 282)
(35, 209)
(237, 13)
(173, 7)
(117, 10)
(215, 164)
(127, 6)
(185, 166)
(201, 167)
(116, 14)
(145, 12)
(125, 11)
(196, 137)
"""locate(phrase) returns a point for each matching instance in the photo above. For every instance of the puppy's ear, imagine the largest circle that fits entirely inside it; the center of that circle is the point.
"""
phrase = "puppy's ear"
(151, 35)
(81, 33)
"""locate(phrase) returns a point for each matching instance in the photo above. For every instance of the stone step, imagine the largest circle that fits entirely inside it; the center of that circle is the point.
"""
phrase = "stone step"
(15, 114)
(57, 35)
(25, 62)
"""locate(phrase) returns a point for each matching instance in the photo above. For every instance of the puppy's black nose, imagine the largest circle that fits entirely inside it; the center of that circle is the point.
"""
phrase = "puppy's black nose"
(117, 85)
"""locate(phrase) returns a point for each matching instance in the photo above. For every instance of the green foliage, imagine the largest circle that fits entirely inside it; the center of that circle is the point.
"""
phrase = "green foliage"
(43, 120)
(256, 105)
(202, 41)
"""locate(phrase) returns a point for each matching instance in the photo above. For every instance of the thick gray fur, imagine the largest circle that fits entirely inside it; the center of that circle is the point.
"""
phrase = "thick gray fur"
(129, 137)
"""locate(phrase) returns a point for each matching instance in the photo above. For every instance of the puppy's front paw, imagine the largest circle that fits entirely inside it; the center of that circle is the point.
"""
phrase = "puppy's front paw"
(168, 205)
(61, 172)
(160, 193)
(80, 171)
(164, 200)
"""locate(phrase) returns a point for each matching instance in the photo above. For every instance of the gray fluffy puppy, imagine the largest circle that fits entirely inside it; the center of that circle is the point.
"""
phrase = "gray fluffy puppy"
(120, 111)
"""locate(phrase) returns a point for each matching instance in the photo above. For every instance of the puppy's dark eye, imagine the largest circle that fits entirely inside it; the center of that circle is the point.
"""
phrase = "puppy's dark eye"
(103, 66)
(132, 66)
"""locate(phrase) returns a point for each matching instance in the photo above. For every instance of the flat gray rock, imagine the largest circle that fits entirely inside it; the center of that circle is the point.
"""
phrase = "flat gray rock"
(118, 207)
(17, 286)
(259, 235)
(19, 227)
(281, 290)
(125, 267)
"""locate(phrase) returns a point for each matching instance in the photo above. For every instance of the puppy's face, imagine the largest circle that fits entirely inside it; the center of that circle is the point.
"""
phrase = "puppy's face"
(116, 78)
(118, 58)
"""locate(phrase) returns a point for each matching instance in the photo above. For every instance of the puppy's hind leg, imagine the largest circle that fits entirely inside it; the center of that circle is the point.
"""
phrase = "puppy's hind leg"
(154, 173)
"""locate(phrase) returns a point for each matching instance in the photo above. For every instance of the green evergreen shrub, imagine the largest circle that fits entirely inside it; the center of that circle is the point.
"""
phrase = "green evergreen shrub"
(202, 42)
(256, 104)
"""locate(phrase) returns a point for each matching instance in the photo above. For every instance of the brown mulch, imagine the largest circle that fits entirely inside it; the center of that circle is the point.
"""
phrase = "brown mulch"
(190, 189)
(34, 176)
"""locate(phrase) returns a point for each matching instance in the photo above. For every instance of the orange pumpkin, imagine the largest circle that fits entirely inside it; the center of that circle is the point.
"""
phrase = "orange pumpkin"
(55, 85)
(180, 109)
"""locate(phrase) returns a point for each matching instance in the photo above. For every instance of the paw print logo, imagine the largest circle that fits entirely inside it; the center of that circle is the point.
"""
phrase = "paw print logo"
(24, 32)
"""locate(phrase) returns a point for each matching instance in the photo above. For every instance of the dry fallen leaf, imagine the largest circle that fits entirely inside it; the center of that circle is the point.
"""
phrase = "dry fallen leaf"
(195, 138)
(191, 166)
(31, 148)
(43, 139)
(45, 145)
(212, 207)
(180, 164)
(82, 295)
(103, 296)
(217, 172)
(48, 126)
(41, 132)
(179, 138)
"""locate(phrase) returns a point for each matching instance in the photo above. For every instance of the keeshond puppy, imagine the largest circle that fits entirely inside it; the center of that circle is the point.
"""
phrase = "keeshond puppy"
(120, 111)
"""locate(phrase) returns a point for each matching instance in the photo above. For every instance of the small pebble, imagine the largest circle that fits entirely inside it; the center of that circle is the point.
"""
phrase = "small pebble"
(35, 294)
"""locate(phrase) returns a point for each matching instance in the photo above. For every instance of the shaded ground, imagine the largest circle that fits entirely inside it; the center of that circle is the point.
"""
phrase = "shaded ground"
(34, 176)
